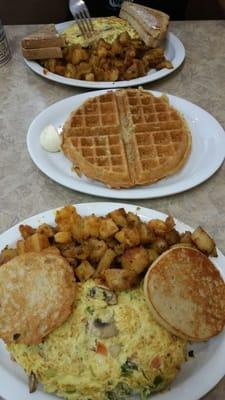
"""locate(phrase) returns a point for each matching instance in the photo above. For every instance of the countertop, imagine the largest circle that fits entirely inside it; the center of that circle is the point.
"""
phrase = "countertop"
(25, 191)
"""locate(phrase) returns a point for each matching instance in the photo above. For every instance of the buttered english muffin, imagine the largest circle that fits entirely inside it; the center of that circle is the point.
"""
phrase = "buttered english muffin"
(186, 294)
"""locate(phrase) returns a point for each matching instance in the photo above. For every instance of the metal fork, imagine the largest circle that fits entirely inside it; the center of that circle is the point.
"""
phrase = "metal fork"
(82, 16)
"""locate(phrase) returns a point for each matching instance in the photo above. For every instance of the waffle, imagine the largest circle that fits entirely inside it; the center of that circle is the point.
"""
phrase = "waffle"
(126, 137)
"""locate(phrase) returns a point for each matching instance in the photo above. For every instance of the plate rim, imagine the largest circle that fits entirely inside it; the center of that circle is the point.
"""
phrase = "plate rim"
(139, 192)
(177, 61)
(214, 377)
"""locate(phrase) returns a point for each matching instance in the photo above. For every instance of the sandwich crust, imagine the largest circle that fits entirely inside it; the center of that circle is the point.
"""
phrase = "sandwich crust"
(186, 294)
(150, 24)
(36, 296)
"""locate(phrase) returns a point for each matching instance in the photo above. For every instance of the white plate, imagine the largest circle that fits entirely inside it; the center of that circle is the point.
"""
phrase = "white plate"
(207, 135)
(199, 375)
(174, 52)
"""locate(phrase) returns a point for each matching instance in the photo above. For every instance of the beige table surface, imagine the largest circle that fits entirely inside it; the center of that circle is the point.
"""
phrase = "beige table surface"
(25, 191)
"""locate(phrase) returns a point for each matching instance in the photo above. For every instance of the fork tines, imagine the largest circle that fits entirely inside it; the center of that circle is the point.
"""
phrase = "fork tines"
(84, 22)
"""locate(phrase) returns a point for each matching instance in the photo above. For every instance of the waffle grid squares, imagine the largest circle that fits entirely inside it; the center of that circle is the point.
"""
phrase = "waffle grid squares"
(133, 134)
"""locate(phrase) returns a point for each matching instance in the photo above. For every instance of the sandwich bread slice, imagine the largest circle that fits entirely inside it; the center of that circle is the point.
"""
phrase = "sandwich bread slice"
(43, 44)
(150, 24)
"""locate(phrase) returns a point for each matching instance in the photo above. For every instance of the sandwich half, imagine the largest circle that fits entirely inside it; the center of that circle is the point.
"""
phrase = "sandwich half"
(150, 24)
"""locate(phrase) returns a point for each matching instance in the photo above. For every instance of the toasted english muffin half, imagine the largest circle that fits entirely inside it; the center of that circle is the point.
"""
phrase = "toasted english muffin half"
(186, 294)
(37, 292)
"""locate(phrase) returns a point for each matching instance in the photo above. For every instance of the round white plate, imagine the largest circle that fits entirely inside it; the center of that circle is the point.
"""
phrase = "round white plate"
(197, 376)
(174, 52)
(207, 135)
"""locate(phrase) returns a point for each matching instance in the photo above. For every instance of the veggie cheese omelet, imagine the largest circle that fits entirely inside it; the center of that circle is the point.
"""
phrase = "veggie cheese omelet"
(108, 348)
(107, 28)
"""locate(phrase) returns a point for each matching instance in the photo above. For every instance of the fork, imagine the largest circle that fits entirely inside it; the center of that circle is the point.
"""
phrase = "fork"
(82, 16)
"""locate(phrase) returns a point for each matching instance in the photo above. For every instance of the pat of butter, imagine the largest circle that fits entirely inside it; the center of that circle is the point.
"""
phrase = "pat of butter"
(50, 140)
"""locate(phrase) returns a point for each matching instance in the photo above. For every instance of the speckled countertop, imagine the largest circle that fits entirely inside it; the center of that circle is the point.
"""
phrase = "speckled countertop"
(25, 191)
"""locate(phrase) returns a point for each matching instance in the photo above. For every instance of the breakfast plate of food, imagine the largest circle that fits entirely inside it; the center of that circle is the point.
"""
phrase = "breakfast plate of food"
(132, 49)
(80, 291)
(126, 143)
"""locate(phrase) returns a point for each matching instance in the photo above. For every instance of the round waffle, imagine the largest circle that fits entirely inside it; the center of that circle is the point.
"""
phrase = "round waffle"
(127, 137)
(186, 294)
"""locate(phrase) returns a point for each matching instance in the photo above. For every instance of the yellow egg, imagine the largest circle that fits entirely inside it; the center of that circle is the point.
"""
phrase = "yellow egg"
(105, 350)
(107, 28)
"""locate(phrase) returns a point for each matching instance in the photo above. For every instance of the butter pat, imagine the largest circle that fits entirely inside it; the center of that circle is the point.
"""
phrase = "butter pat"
(50, 140)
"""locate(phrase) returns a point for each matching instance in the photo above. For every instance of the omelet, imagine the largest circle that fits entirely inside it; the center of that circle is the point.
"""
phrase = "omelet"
(107, 28)
(109, 347)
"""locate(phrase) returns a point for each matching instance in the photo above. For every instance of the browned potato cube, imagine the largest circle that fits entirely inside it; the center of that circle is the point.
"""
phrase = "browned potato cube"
(36, 242)
(129, 236)
(20, 247)
(119, 217)
(120, 279)
(203, 241)
(160, 245)
(147, 234)
(78, 230)
(26, 231)
(158, 226)
(105, 262)
(133, 218)
(84, 271)
(172, 237)
(46, 230)
(107, 228)
(186, 237)
(170, 223)
(152, 255)
(97, 249)
(91, 226)
(65, 218)
(7, 254)
(63, 237)
(135, 259)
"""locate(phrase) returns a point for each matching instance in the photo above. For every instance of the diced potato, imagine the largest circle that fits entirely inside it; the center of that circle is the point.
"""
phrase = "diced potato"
(36, 242)
(97, 249)
(46, 230)
(203, 241)
(133, 218)
(63, 237)
(84, 271)
(172, 237)
(147, 234)
(107, 228)
(67, 250)
(7, 254)
(105, 262)
(120, 279)
(186, 237)
(78, 231)
(170, 223)
(158, 226)
(160, 245)
(152, 255)
(135, 259)
(65, 218)
(91, 226)
(119, 217)
(20, 247)
(82, 251)
(26, 231)
(129, 236)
